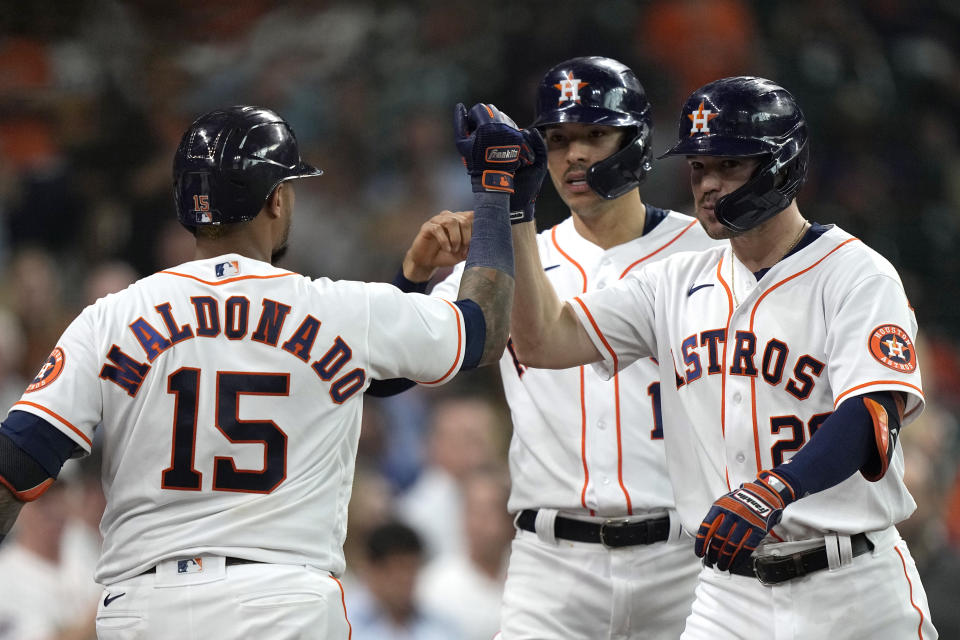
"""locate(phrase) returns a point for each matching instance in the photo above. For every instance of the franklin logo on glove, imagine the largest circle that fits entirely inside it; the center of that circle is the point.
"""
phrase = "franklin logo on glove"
(503, 154)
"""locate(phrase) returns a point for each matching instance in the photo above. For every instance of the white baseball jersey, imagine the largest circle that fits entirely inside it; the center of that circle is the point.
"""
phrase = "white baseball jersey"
(755, 380)
(229, 396)
(582, 443)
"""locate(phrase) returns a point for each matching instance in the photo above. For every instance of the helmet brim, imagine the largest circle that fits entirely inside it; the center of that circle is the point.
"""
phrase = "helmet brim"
(307, 170)
(585, 115)
(719, 146)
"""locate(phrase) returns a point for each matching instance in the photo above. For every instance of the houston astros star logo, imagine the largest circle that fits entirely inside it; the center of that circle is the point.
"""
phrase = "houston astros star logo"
(892, 347)
(701, 119)
(570, 88)
(50, 370)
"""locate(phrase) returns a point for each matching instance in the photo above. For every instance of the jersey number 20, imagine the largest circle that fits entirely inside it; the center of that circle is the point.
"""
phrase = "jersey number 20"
(182, 475)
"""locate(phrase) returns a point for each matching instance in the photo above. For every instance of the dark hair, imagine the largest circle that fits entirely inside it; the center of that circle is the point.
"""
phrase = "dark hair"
(392, 538)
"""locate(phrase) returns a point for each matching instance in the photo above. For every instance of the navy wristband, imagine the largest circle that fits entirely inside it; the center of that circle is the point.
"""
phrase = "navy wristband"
(491, 241)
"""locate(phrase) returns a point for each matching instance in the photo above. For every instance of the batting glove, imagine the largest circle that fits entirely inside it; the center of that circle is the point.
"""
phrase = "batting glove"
(529, 177)
(739, 520)
(489, 142)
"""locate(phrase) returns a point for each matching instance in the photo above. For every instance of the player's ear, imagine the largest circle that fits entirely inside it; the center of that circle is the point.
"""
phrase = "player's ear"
(274, 203)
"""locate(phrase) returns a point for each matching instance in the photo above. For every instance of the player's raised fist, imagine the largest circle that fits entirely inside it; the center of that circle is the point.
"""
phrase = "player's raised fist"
(529, 176)
(490, 143)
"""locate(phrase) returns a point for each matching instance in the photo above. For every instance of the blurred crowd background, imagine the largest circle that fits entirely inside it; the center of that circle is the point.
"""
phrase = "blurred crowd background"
(94, 95)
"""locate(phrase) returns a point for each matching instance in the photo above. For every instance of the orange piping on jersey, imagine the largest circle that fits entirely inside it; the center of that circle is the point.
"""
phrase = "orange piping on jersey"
(626, 494)
(583, 274)
(603, 339)
(220, 282)
(753, 314)
(58, 417)
(616, 367)
(910, 584)
(723, 370)
(344, 605)
(456, 313)
(875, 382)
(583, 442)
(650, 255)
(583, 394)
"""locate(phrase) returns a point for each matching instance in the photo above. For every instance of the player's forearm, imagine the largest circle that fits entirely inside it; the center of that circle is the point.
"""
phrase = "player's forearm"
(492, 290)
(9, 510)
(544, 330)
(488, 273)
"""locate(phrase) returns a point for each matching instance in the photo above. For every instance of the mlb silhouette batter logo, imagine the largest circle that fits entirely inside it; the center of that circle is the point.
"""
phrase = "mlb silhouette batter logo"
(224, 269)
(193, 565)
(701, 119)
(570, 89)
(892, 348)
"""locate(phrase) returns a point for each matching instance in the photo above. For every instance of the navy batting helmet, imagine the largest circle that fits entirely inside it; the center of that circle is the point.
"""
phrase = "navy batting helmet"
(746, 116)
(596, 90)
(229, 161)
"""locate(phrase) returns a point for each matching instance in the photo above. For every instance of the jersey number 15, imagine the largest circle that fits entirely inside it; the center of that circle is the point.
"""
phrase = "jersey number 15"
(182, 475)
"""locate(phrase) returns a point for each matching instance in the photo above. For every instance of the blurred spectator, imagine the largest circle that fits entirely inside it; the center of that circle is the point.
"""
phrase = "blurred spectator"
(37, 292)
(370, 507)
(461, 439)
(12, 380)
(697, 41)
(468, 588)
(384, 608)
(40, 599)
(108, 277)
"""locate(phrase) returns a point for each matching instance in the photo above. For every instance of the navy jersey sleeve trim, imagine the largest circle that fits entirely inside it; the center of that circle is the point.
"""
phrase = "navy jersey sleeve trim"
(475, 328)
(408, 286)
(42, 441)
(389, 387)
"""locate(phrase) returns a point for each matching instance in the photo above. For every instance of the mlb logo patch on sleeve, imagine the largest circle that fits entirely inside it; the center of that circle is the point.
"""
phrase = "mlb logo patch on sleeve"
(224, 269)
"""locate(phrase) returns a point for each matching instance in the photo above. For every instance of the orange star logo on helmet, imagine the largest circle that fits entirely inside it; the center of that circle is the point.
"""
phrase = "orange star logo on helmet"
(701, 119)
(570, 88)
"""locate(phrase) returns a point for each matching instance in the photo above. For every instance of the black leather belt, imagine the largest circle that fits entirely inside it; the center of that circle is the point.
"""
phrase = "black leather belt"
(616, 532)
(777, 569)
(228, 561)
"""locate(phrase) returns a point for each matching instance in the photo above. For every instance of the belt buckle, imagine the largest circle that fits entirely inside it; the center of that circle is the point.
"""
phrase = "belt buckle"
(612, 524)
(771, 570)
(758, 573)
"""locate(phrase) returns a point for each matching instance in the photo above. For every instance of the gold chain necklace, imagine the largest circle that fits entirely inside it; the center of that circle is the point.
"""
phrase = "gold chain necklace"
(733, 287)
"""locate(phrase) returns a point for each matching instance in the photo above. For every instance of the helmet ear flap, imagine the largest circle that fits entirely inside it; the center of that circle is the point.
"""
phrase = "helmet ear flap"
(626, 169)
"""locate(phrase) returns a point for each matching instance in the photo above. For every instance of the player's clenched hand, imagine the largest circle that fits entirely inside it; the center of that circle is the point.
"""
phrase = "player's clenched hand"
(489, 142)
(442, 241)
(528, 177)
(740, 519)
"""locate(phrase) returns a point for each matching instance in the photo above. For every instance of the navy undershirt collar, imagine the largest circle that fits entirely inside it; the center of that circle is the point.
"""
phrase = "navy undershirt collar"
(815, 231)
(655, 215)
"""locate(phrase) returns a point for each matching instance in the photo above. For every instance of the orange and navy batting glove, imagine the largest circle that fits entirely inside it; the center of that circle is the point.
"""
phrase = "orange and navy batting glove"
(529, 177)
(740, 519)
(489, 142)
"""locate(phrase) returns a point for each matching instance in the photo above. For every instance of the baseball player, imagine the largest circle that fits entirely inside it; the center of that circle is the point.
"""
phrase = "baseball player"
(229, 392)
(598, 551)
(791, 360)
